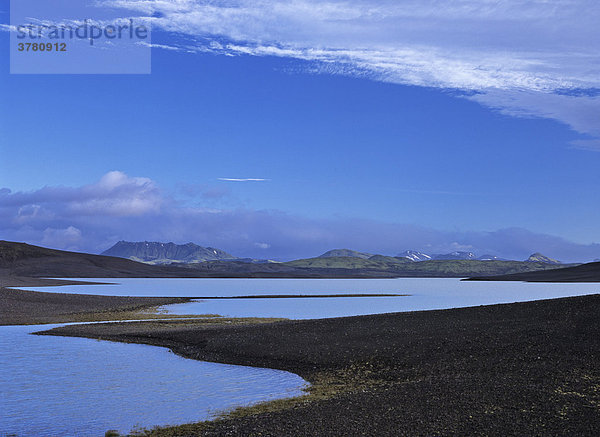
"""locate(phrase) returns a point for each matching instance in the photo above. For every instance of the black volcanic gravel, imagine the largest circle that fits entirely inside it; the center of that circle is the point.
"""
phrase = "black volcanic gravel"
(518, 369)
(19, 307)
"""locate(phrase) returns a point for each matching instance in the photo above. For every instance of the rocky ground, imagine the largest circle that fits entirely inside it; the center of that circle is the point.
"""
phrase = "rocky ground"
(518, 369)
(19, 307)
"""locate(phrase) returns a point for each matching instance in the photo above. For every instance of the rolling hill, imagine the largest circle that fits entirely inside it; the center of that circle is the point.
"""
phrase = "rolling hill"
(336, 253)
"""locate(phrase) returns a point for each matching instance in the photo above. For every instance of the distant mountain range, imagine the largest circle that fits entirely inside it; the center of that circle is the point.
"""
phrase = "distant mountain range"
(416, 256)
(190, 253)
(23, 260)
(153, 252)
(166, 253)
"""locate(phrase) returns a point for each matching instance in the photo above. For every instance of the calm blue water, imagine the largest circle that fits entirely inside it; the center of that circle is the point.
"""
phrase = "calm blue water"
(59, 386)
(426, 293)
(54, 386)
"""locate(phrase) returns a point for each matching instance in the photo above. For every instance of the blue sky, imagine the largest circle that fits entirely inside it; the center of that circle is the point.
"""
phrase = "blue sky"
(369, 125)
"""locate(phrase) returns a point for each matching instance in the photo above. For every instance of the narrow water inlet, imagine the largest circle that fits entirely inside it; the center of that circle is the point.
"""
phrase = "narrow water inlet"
(76, 386)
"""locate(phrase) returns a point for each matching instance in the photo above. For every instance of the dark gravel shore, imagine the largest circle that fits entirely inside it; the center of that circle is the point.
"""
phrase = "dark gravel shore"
(19, 307)
(518, 369)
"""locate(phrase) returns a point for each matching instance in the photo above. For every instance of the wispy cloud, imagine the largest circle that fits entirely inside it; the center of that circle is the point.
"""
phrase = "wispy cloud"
(244, 179)
(513, 55)
(164, 47)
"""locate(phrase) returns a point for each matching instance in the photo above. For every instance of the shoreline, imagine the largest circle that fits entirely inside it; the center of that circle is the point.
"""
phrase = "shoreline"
(23, 281)
(25, 307)
(507, 369)
(22, 307)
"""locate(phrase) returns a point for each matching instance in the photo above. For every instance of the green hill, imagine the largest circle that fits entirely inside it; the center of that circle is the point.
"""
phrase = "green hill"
(336, 253)
(340, 262)
(434, 268)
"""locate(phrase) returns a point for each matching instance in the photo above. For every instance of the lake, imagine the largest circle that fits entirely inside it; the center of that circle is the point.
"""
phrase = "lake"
(72, 386)
(425, 294)
(62, 386)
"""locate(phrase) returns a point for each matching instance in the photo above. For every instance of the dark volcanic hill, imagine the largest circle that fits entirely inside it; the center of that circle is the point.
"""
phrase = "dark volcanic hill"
(166, 253)
(20, 259)
(589, 272)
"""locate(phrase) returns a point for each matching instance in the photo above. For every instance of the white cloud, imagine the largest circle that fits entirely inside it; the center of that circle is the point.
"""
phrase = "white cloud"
(68, 238)
(511, 52)
(115, 194)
